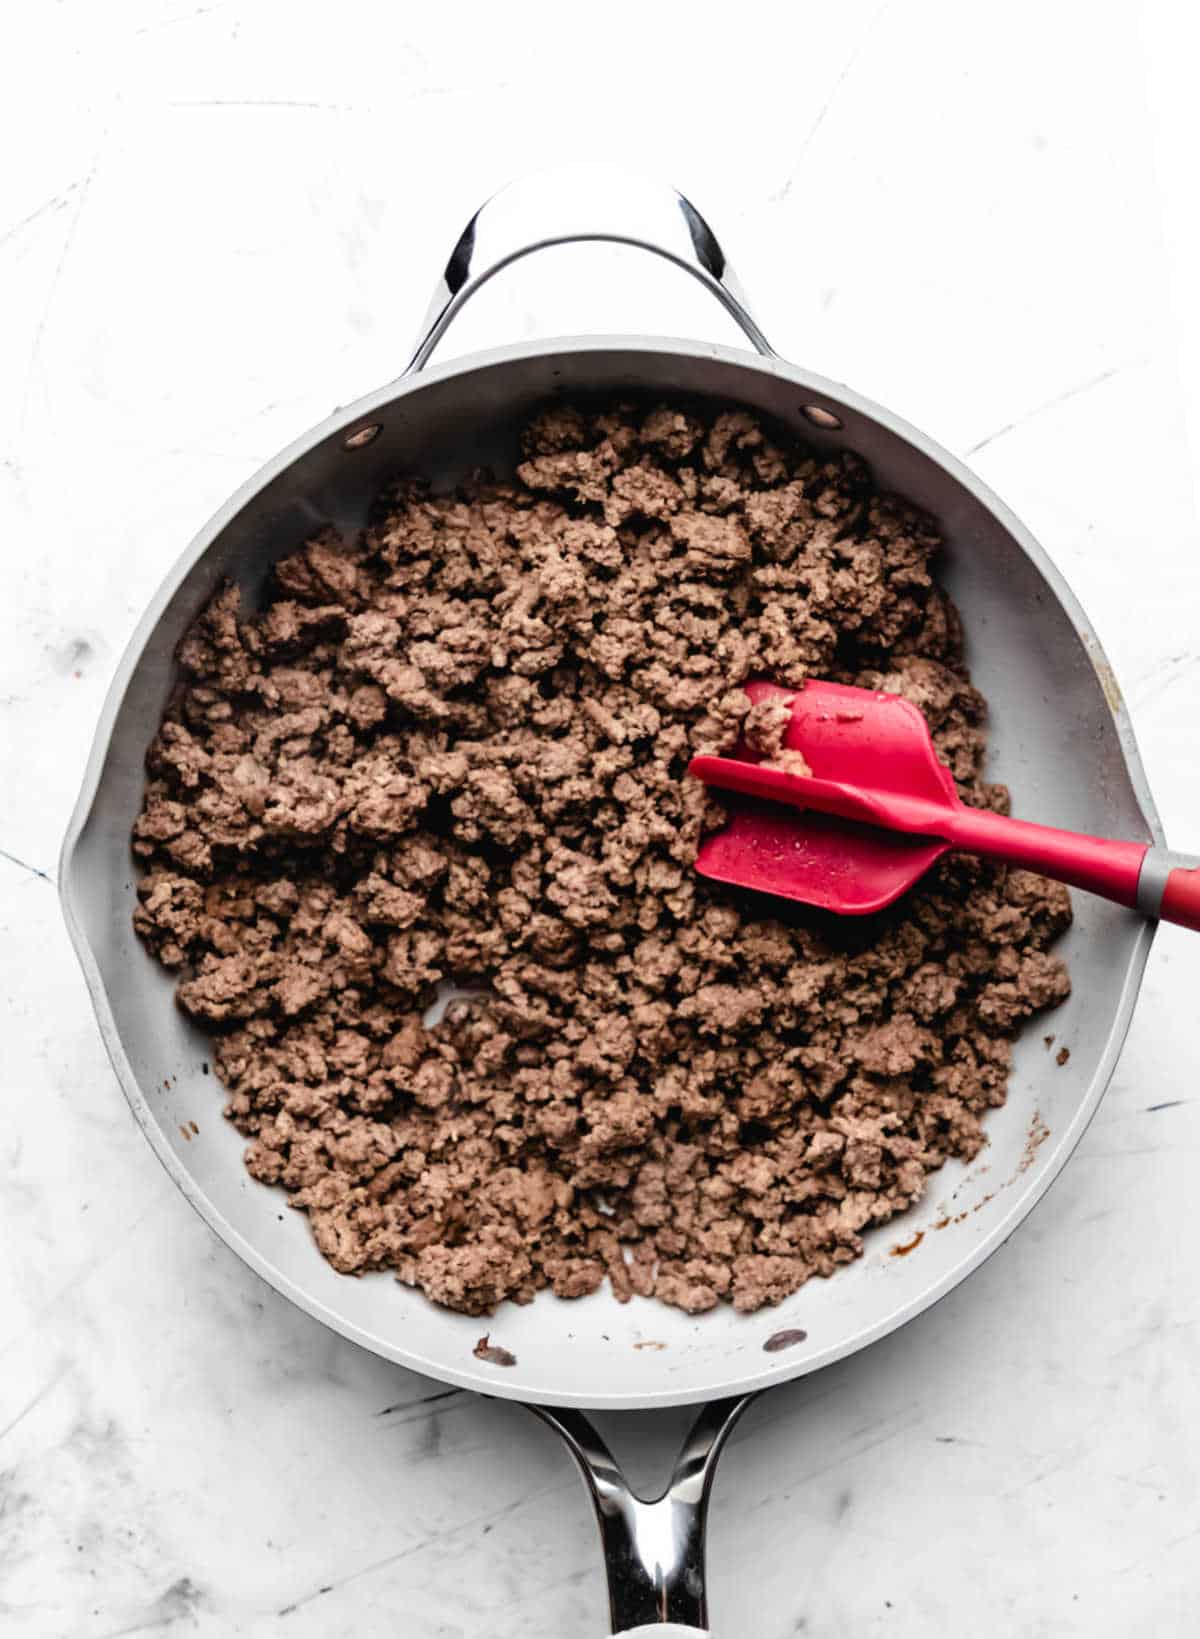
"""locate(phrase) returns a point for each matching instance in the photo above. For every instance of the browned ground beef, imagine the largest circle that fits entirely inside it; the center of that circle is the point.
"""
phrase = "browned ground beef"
(454, 749)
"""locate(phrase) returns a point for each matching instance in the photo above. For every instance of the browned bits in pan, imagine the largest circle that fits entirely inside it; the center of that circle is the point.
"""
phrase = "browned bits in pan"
(787, 1339)
(493, 1353)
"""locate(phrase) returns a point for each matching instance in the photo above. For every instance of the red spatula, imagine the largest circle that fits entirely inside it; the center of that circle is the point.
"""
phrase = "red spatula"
(878, 809)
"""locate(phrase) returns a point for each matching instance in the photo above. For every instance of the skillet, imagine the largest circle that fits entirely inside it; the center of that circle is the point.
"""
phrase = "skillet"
(1060, 736)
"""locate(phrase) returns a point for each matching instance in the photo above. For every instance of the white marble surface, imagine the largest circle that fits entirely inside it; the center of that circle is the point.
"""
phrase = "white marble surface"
(216, 221)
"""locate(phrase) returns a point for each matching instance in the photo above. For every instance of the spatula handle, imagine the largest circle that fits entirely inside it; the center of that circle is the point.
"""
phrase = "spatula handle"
(1169, 887)
(1161, 884)
(1101, 866)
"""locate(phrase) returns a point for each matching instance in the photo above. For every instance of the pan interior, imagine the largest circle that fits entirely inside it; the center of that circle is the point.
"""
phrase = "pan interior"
(1059, 738)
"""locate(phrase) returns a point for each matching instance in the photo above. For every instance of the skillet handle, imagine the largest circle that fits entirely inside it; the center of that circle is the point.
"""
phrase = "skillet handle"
(568, 206)
(653, 1549)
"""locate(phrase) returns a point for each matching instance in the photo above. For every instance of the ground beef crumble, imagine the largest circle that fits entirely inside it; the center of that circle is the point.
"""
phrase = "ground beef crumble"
(455, 749)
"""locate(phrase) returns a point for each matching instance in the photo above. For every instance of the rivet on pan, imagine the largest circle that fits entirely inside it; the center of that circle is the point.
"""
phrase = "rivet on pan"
(820, 417)
(362, 436)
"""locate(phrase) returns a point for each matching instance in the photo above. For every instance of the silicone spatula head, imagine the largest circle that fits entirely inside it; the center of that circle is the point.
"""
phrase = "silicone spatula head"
(857, 738)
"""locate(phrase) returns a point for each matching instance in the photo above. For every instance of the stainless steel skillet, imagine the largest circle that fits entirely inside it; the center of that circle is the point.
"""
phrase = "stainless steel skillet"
(1029, 644)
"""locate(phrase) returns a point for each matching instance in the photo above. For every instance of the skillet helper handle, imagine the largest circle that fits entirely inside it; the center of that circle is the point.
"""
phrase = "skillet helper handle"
(653, 1550)
(569, 206)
